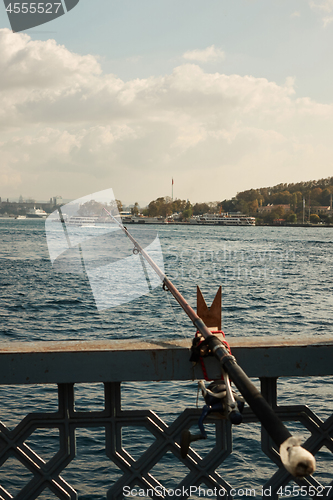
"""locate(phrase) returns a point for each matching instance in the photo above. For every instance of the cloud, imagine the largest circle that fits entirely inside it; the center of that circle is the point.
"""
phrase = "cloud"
(67, 128)
(26, 64)
(327, 20)
(206, 55)
(325, 7)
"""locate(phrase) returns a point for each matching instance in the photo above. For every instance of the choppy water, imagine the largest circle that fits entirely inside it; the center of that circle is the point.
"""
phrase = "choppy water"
(275, 280)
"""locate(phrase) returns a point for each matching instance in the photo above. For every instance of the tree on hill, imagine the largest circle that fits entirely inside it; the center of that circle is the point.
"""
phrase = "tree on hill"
(158, 207)
(164, 206)
(318, 191)
(293, 202)
(200, 208)
(291, 217)
(253, 206)
(281, 198)
(136, 209)
(229, 205)
(119, 205)
(314, 218)
(249, 195)
(326, 195)
(187, 212)
(96, 208)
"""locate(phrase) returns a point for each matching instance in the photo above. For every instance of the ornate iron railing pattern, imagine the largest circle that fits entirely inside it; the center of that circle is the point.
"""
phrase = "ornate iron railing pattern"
(138, 472)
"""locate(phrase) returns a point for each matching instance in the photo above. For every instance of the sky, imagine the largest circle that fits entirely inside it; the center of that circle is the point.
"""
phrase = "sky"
(130, 94)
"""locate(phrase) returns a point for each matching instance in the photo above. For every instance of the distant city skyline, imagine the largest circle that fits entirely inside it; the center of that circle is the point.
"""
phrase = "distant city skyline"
(220, 96)
(48, 201)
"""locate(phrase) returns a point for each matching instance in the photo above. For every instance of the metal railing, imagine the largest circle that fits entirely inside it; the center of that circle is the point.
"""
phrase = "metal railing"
(113, 362)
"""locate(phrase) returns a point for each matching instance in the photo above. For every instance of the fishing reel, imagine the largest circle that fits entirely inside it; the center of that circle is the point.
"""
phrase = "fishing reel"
(219, 392)
(219, 398)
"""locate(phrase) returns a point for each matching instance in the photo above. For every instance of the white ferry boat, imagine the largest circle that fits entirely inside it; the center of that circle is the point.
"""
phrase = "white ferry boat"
(224, 219)
(137, 219)
(76, 220)
(36, 213)
(87, 221)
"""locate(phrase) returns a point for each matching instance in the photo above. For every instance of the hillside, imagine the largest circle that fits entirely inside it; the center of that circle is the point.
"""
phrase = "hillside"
(316, 193)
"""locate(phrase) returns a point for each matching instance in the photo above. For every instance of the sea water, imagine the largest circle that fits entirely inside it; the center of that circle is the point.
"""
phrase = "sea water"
(276, 280)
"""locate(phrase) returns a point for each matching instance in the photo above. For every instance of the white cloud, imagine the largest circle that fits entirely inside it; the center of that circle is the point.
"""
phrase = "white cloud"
(325, 7)
(26, 64)
(206, 55)
(67, 128)
(327, 20)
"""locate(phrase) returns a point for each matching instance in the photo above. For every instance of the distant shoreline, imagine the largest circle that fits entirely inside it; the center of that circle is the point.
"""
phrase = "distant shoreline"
(197, 225)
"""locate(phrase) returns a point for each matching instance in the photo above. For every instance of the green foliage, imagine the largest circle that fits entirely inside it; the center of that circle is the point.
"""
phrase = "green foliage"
(253, 206)
(318, 192)
(119, 205)
(326, 218)
(292, 218)
(200, 208)
(158, 207)
(278, 213)
(249, 195)
(229, 205)
(187, 212)
(314, 218)
(206, 208)
(95, 208)
(165, 206)
(135, 210)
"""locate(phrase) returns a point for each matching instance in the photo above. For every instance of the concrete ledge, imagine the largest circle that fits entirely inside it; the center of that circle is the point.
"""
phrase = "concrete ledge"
(131, 360)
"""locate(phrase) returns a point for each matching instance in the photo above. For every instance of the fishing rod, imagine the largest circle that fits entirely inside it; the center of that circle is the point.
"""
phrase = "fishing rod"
(297, 460)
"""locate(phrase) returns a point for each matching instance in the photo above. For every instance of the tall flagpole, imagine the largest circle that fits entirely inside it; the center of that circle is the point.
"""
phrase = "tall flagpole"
(172, 189)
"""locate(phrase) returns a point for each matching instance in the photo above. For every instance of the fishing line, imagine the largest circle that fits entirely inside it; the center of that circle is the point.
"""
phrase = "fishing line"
(64, 227)
(145, 270)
